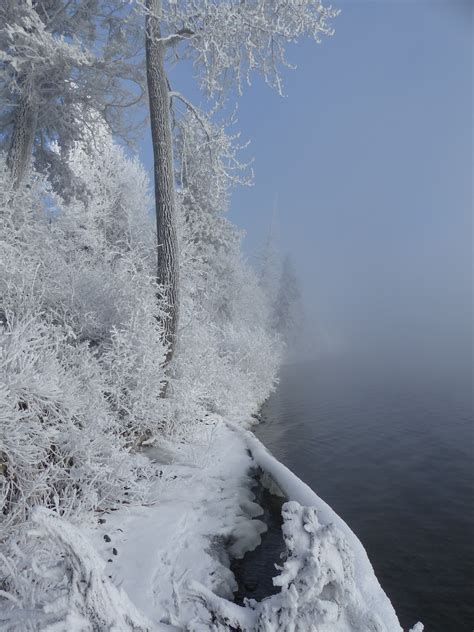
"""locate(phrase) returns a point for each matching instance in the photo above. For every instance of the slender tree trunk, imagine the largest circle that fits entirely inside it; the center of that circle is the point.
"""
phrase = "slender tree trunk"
(22, 139)
(158, 93)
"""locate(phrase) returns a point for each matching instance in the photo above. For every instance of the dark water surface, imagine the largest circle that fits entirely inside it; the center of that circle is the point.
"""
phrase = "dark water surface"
(255, 571)
(394, 457)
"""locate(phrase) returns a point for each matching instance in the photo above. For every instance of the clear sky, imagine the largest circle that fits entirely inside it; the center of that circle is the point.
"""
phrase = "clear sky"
(370, 154)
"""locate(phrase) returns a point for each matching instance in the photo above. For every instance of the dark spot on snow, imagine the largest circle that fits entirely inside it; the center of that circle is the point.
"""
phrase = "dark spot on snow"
(114, 551)
(107, 538)
(101, 520)
(109, 560)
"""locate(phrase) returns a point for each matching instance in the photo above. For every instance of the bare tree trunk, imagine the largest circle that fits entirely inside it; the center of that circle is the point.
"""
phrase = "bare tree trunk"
(22, 139)
(158, 93)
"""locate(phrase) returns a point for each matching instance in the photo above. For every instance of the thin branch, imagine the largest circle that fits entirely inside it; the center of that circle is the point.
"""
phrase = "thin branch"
(193, 109)
(175, 38)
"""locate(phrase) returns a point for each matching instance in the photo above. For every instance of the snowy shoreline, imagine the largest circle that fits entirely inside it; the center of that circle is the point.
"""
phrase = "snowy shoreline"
(215, 520)
(172, 557)
(165, 564)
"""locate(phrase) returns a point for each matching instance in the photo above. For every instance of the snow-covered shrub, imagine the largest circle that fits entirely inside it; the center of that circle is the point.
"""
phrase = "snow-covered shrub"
(316, 580)
(80, 345)
(59, 443)
(61, 584)
(81, 351)
(133, 362)
(227, 356)
(116, 203)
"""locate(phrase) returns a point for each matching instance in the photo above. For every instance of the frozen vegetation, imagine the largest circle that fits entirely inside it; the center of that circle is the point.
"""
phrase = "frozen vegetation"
(81, 359)
(132, 353)
(97, 532)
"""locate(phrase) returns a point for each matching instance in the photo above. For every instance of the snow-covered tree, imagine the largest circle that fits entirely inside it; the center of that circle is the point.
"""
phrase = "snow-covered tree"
(63, 63)
(225, 338)
(288, 311)
(269, 262)
(165, 204)
(229, 40)
(226, 42)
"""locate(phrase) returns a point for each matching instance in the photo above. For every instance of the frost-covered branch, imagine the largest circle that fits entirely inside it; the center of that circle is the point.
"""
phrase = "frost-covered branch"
(62, 66)
(229, 40)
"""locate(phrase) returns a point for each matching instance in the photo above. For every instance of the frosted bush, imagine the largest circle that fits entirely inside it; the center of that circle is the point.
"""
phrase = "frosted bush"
(59, 443)
(228, 357)
(60, 583)
(80, 363)
(133, 362)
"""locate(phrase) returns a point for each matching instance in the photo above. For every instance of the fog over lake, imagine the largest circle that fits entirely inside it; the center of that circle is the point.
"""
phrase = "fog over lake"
(370, 163)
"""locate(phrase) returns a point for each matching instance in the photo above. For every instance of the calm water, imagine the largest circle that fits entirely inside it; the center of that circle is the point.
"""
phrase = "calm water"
(394, 457)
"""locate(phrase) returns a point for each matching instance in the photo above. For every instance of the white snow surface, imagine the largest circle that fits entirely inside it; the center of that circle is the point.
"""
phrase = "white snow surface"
(172, 557)
(202, 512)
(164, 565)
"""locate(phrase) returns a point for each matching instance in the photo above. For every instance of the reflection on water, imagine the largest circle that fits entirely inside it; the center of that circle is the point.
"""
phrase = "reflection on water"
(393, 456)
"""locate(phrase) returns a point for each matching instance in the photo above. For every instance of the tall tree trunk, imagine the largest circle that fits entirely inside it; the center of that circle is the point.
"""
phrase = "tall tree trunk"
(22, 138)
(158, 94)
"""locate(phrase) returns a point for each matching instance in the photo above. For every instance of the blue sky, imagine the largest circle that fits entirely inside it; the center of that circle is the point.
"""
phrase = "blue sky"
(370, 155)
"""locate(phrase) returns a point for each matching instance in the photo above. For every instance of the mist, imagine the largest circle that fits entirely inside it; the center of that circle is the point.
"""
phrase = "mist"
(370, 156)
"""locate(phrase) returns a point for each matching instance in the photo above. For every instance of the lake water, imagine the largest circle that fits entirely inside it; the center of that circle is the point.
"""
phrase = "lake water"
(392, 453)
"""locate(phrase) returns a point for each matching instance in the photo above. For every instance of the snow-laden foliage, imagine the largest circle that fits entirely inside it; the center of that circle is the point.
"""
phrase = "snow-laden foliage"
(60, 443)
(62, 64)
(229, 40)
(205, 183)
(80, 348)
(81, 351)
(227, 355)
(71, 588)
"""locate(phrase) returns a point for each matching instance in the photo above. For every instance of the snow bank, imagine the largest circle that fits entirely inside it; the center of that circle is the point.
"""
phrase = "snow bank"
(295, 489)
(164, 565)
(367, 591)
(203, 513)
(327, 582)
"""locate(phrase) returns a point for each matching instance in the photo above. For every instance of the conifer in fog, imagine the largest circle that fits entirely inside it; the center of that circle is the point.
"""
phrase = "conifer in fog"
(288, 311)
